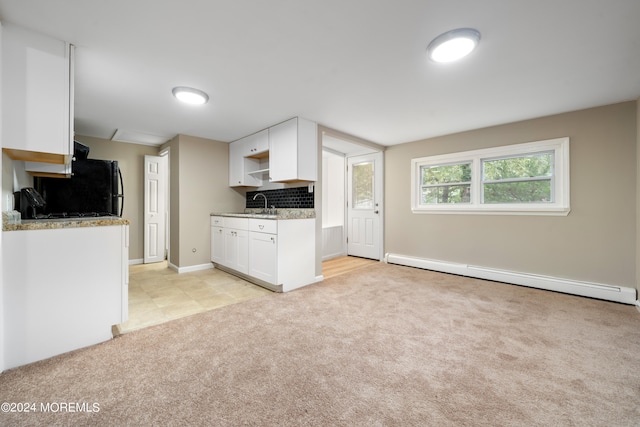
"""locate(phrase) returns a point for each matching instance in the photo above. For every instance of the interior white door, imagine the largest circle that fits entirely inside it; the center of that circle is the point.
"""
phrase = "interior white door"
(155, 170)
(364, 206)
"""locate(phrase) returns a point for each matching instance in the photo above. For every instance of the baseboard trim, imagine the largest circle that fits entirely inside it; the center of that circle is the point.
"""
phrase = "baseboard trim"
(620, 294)
(254, 280)
(190, 268)
(136, 261)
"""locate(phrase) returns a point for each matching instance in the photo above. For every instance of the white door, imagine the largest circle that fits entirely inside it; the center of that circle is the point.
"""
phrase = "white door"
(364, 206)
(155, 170)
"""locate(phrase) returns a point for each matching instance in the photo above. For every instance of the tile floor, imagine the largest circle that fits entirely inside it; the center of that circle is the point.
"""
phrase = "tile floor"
(158, 294)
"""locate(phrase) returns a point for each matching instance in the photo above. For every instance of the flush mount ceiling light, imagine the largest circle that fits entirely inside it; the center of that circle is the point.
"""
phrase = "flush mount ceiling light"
(190, 95)
(453, 44)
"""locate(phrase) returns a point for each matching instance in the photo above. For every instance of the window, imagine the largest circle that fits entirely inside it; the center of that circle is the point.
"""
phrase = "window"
(530, 179)
(363, 185)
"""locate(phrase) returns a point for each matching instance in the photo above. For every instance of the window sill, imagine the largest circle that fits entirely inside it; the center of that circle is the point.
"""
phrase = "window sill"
(494, 211)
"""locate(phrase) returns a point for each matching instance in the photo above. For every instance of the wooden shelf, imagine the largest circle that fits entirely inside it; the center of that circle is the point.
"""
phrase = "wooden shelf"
(36, 156)
(259, 172)
(260, 156)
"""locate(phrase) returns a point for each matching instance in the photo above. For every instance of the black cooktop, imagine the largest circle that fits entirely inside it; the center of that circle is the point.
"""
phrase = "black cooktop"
(72, 215)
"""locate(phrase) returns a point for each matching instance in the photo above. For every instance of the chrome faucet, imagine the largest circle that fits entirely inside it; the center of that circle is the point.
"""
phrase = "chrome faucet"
(265, 201)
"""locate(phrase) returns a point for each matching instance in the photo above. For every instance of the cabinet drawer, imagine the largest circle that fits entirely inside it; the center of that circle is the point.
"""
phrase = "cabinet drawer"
(237, 223)
(263, 225)
(217, 221)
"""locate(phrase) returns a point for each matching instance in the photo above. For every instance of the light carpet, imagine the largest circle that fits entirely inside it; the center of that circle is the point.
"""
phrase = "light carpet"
(382, 346)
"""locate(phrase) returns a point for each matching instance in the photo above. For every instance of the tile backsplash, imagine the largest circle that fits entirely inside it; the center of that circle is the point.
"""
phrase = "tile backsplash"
(285, 198)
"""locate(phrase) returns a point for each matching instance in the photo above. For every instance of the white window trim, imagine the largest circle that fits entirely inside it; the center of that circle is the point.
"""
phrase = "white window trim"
(560, 206)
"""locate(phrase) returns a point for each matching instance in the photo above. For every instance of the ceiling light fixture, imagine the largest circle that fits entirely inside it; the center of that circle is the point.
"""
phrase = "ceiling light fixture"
(453, 44)
(190, 95)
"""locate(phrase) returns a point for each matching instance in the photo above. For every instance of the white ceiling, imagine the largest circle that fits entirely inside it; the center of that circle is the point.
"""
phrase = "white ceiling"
(357, 66)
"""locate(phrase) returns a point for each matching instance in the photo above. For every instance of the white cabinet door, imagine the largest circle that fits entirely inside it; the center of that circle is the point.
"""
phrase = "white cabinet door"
(217, 245)
(236, 167)
(293, 151)
(263, 256)
(283, 152)
(240, 165)
(256, 143)
(37, 98)
(236, 249)
(242, 258)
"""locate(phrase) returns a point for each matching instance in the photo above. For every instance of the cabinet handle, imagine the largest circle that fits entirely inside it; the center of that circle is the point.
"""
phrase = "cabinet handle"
(260, 226)
(273, 240)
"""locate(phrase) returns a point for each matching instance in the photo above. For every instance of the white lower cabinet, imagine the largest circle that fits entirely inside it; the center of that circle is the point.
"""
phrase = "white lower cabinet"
(230, 242)
(278, 254)
(236, 249)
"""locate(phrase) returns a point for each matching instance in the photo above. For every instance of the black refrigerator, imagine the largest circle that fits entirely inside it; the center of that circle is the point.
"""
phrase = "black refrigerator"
(94, 189)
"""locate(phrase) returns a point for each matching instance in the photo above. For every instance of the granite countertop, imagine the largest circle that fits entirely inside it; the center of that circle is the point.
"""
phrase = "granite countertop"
(280, 214)
(49, 224)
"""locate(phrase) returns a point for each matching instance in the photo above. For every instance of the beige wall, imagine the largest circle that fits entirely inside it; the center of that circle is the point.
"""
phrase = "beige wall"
(596, 242)
(174, 199)
(199, 185)
(130, 159)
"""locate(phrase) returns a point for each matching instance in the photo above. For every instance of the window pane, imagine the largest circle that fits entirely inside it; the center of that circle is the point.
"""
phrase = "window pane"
(538, 191)
(529, 166)
(446, 174)
(446, 194)
(363, 186)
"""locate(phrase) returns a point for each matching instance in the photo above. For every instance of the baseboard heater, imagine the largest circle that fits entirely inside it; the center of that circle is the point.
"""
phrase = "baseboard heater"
(593, 290)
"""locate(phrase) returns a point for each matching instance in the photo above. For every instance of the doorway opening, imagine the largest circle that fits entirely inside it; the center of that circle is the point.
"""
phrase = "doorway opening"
(352, 199)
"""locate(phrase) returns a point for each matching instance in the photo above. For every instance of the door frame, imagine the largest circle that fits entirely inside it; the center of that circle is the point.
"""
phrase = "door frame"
(378, 181)
(352, 147)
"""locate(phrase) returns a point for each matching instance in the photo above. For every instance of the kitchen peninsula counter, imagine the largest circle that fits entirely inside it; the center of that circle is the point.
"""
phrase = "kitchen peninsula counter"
(65, 284)
(56, 223)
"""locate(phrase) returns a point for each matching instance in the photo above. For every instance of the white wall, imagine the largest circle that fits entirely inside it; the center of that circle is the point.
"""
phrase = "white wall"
(333, 197)
(1, 204)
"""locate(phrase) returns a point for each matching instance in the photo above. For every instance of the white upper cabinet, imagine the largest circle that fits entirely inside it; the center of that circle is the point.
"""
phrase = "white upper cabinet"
(37, 97)
(283, 153)
(293, 151)
(242, 169)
